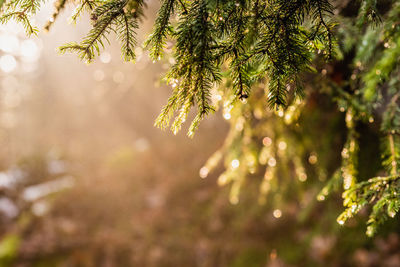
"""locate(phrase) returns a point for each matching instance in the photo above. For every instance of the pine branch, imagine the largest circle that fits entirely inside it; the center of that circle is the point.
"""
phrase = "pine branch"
(394, 154)
(20, 11)
(126, 30)
(85, 5)
(161, 30)
(193, 58)
(324, 8)
(59, 6)
(383, 190)
(21, 17)
(109, 17)
(368, 13)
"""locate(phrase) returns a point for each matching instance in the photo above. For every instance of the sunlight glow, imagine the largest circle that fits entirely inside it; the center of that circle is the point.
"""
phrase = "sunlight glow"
(267, 141)
(272, 162)
(8, 63)
(29, 51)
(235, 163)
(282, 145)
(9, 43)
(98, 75)
(204, 172)
(277, 213)
(227, 116)
(105, 57)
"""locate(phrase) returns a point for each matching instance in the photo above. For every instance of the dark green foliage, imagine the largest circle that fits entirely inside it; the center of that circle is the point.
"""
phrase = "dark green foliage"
(254, 39)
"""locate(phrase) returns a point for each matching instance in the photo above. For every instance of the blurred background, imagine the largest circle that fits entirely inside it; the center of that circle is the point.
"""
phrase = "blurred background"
(86, 180)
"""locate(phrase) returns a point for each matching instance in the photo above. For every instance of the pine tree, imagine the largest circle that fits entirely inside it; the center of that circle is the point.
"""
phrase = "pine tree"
(275, 68)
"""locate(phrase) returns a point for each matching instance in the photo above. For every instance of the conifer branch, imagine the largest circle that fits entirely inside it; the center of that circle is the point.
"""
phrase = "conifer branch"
(109, 17)
(21, 17)
(126, 31)
(161, 30)
(59, 6)
(82, 6)
(324, 7)
(393, 155)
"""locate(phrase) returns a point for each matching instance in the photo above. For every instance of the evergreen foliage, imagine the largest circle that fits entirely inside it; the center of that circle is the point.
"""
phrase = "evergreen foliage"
(112, 16)
(275, 56)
